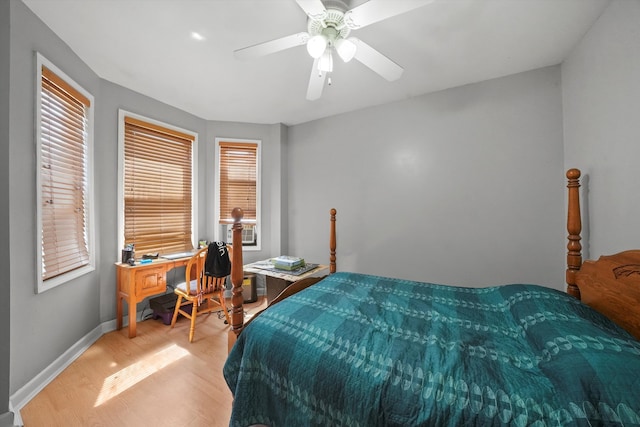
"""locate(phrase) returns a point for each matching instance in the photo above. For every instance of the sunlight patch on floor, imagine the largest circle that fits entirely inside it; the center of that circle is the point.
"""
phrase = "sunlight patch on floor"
(131, 375)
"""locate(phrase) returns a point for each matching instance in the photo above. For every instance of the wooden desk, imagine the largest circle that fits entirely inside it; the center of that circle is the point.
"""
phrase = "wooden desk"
(278, 280)
(135, 283)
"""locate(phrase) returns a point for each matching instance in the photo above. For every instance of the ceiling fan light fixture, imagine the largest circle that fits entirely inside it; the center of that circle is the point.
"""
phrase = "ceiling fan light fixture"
(329, 24)
(325, 63)
(346, 49)
(317, 45)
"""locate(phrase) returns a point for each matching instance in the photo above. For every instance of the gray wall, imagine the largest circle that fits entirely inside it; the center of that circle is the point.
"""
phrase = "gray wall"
(601, 98)
(5, 292)
(42, 326)
(464, 186)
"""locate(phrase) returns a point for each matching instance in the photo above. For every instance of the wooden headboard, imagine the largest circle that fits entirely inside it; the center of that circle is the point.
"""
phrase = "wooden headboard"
(611, 285)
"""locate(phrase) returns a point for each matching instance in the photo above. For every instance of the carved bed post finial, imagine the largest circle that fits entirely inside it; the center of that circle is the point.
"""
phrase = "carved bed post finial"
(332, 243)
(237, 273)
(574, 227)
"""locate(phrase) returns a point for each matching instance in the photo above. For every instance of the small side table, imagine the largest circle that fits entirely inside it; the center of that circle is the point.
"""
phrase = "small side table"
(278, 280)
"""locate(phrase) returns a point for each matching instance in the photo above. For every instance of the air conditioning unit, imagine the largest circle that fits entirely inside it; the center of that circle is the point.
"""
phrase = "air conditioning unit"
(248, 235)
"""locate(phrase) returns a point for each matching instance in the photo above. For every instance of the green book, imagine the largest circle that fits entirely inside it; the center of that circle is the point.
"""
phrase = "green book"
(289, 263)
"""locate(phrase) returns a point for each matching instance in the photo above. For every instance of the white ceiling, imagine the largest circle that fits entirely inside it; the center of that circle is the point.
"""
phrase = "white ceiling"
(146, 46)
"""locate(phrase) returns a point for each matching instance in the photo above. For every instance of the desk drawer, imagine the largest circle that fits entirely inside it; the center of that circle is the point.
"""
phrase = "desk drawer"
(150, 281)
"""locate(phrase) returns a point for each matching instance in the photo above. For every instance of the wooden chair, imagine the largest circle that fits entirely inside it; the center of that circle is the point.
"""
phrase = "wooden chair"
(199, 292)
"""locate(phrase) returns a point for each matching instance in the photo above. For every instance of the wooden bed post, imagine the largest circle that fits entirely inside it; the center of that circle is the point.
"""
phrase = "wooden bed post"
(332, 243)
(237, 277)
(574, 227)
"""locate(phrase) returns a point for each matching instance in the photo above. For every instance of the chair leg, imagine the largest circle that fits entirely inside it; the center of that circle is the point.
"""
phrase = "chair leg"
(176, 310)
(194, 315)
(223, 304)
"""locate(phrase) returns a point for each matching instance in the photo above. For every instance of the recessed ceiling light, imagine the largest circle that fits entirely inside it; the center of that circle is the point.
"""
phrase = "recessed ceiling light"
(197, 36)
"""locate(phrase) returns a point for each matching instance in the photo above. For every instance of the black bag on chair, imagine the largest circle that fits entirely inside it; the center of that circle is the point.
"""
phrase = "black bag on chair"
(217, 263)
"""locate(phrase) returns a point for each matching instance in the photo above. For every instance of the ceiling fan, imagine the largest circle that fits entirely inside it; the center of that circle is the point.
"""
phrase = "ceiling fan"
(329, 25)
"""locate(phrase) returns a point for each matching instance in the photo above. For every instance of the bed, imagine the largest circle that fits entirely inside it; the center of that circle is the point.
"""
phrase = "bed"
(361, 350)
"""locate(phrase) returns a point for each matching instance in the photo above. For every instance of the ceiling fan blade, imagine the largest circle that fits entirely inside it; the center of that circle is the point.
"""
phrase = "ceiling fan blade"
(313, 8)
(272, 46)
(377, 10)
(376, 61)
(316, 82)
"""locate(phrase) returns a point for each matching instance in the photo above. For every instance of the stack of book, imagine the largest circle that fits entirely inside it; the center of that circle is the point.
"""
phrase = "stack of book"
(289, 263)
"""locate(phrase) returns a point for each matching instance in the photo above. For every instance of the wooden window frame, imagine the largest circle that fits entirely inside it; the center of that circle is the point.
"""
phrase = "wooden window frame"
(84, 248)
(123, 116)
(222, 221)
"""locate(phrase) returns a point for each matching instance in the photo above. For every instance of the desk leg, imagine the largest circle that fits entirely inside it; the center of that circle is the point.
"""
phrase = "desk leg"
(120, 277)
(118, 311)
(125, 280)
(132, 318)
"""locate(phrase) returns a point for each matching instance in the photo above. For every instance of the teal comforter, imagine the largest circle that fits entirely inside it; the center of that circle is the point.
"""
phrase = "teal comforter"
(359, 350)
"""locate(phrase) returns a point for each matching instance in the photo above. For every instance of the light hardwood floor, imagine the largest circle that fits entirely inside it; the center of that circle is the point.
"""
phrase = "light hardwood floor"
(156, 379)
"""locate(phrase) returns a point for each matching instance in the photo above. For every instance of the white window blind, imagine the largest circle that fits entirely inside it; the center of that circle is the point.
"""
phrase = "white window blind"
(157, 187)
(64, 179)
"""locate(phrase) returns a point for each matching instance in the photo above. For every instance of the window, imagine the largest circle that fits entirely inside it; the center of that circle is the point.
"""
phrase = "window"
(239, 186)
(157, 185)
(64, 135)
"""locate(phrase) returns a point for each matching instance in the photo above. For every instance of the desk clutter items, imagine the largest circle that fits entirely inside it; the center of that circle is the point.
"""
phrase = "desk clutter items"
(300, 270)
(288, 263)
(178, 255)
(129, 254)
(269, 265)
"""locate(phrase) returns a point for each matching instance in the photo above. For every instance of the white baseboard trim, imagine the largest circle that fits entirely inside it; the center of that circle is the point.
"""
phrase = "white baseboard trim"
(20, 398)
